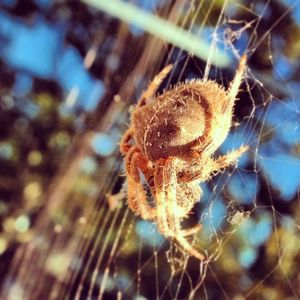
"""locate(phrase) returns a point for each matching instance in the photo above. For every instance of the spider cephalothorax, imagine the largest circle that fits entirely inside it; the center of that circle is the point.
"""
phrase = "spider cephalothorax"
(170, 141)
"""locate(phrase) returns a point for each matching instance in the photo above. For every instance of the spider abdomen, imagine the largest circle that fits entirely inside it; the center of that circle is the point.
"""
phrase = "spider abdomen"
(167, 126)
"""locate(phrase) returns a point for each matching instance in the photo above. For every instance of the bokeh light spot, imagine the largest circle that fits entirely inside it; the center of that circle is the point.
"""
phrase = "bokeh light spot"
(32, 192)
(22, 223)
(244, 187)
(58, 263)
(3, 208)
(3, 245)
(6, 150)
(274, 167)
(34, 158)
(88, 165)
(148, 233)
(247, 256)
(60, 139)
(9, 225)
(103, 144)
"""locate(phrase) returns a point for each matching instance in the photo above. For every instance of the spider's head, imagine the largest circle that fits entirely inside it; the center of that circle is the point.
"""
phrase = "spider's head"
(173, 124)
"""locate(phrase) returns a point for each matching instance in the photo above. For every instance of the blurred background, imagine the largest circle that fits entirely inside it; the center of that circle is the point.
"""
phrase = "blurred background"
(70, 72)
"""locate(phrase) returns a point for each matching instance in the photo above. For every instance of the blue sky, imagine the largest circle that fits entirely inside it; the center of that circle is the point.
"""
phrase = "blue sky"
(38, 50)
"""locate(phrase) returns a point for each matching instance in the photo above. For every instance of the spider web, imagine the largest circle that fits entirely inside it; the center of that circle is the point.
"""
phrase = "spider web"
(86, 247)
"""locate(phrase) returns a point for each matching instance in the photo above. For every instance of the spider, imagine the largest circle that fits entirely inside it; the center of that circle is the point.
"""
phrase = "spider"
(169, 146)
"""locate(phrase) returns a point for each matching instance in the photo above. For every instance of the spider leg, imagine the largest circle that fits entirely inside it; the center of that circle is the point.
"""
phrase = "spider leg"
(234, 87)
(154, 85)
(137, 198)
(231, 158)
(191, 231)
(133, 187)
(218, 113)
(212, 166)
(160, 197)
(125, 141)
(168, 223)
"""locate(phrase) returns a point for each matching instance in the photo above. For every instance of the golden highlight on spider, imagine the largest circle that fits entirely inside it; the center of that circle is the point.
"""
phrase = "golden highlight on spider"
(169, 146)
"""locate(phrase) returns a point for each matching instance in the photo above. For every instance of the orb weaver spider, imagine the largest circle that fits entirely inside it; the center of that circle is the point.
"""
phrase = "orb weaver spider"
(169, 145)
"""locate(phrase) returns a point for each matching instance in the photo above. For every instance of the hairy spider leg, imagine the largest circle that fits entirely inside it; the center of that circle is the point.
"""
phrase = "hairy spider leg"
(125, 141)
(168, 222)
(160, 198)
(208, 142)
(147, 94)
(165, 176)
(133, 189)
(191, 231)
(236, 82)
(212, 166)
(137, 198)
(140, 163)
(154, 85)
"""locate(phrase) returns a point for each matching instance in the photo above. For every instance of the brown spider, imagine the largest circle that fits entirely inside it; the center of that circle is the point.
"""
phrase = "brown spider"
(171, 140)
